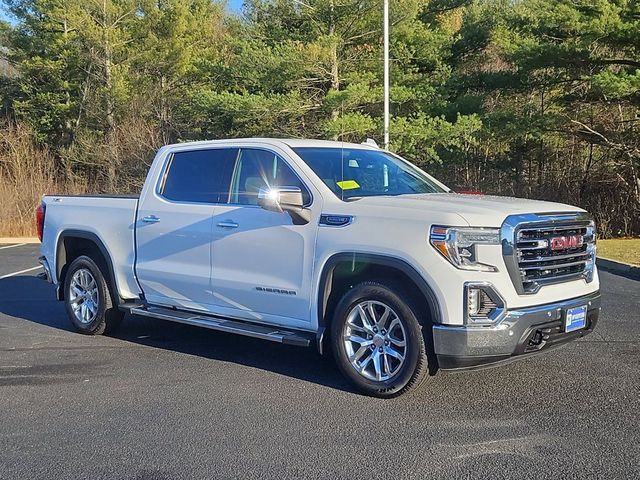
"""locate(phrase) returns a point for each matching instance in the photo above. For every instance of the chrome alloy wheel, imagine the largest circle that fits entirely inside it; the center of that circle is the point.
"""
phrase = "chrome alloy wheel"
(83, 296)
(375, 340)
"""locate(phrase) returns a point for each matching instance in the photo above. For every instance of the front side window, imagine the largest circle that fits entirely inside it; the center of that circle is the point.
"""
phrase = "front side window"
(201, 176)
(358, 172)
(258, 169)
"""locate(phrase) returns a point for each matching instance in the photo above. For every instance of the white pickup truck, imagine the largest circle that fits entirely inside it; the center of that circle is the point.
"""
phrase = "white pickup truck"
(343, 246)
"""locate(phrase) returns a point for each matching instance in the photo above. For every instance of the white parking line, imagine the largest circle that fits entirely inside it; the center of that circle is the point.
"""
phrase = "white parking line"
(21, 271)
(11, 246)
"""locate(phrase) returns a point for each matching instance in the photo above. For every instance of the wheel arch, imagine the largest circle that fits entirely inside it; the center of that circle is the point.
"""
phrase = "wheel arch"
(73, 243)
(379, 263)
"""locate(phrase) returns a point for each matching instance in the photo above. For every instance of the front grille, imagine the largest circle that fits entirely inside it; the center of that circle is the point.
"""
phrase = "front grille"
(560, 249)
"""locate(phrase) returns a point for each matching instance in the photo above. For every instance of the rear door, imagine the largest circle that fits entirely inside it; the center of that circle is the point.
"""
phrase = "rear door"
(174, 227)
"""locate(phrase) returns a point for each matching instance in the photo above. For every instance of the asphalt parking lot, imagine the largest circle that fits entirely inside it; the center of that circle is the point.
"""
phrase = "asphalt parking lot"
(162, 401)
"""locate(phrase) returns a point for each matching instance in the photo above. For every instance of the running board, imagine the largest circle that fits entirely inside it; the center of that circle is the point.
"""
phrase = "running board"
(264, 332)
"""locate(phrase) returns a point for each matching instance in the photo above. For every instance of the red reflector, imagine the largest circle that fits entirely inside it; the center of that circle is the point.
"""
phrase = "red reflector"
(40, 211)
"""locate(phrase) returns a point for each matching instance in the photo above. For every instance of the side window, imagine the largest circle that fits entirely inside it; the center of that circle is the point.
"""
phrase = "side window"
(200, 175)
(258, 169)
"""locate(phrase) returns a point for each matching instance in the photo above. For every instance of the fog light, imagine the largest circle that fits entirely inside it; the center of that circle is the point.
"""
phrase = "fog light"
(483, 304)
(473, 301)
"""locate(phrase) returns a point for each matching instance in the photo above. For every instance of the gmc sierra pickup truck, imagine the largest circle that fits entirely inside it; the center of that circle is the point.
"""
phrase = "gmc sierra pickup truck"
(345, 247)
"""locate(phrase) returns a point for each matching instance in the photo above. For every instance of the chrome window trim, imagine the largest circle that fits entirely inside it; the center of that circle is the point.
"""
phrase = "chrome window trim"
(165, 173)
(509, 231)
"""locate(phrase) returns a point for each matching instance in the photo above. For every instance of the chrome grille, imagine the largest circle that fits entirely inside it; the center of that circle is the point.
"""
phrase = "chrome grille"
(545, 249)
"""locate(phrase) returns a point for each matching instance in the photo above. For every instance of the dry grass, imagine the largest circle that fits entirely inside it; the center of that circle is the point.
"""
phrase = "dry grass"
(18, 203)
(17, 207)
(626, 250)
(29, 170)
(26, 173)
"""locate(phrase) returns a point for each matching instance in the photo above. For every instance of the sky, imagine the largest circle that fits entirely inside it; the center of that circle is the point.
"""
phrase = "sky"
(235, 5)
(3, 15)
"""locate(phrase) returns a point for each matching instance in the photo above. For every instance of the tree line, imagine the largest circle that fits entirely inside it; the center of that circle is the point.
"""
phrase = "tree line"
(533, 98)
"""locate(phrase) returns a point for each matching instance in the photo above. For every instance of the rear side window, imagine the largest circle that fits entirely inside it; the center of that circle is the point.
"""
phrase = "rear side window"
(200, 176)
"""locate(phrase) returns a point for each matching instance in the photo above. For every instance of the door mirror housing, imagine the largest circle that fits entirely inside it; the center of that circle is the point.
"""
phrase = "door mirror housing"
(285, 199)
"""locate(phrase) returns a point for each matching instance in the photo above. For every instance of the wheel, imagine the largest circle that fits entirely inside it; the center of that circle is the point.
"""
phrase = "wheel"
(377, 340)
(88, 298)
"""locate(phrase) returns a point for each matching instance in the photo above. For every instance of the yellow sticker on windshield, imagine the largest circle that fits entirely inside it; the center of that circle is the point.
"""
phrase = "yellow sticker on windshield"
(348, 184)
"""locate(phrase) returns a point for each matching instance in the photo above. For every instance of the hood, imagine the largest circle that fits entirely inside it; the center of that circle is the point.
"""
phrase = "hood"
(477, 210)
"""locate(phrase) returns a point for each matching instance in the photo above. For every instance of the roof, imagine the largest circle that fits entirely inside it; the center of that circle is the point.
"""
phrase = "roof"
(301, 142)
(291, 142)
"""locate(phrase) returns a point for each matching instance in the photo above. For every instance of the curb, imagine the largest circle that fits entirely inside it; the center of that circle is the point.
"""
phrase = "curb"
(19, 240)
(615, 266)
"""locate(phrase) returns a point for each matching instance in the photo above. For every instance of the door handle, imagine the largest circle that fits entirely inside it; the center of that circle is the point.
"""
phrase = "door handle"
(228, 224)
(151, 219)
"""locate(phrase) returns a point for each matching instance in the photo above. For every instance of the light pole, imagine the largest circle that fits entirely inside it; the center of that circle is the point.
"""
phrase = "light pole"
(386, 74)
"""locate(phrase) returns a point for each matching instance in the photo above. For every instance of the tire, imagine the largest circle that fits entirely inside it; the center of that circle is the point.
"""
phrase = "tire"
(88, 298)
(386, 377)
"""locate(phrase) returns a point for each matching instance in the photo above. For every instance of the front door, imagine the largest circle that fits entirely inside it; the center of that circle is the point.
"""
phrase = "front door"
(175, 227)
(262, 262)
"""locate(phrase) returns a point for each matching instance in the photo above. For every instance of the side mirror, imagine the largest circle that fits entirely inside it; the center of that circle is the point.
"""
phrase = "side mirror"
(285, 199)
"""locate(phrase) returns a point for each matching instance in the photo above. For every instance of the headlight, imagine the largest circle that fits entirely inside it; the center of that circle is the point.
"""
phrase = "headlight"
(458, 245)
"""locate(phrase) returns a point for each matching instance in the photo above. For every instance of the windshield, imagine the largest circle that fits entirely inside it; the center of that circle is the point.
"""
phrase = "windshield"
(358, 172)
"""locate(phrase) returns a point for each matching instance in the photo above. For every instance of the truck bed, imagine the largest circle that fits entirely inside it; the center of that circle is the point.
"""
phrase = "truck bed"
(110, 218)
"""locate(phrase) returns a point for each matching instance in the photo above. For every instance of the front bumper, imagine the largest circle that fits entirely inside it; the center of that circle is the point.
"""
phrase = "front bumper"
(520, 333)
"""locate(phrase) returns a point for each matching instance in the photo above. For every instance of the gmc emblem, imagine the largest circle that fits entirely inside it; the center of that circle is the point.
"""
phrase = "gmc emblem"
(563, 243)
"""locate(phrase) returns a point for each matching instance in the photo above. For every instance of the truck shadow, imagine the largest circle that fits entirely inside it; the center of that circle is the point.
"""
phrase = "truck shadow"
(296, 362)
(30, 299)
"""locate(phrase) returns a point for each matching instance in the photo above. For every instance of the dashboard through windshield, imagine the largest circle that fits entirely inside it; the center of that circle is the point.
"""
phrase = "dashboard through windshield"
(359, 172)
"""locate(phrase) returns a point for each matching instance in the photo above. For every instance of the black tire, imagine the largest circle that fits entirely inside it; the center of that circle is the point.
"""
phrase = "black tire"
(409, 374)
(107, 316)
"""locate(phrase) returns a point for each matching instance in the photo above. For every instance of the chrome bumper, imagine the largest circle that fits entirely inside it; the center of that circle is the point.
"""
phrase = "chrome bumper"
(521, 332)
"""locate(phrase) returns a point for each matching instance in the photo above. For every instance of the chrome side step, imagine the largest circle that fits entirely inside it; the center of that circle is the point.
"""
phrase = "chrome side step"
(264, 332)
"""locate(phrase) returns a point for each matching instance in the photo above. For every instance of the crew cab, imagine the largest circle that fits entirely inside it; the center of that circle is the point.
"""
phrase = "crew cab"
(344, 247)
